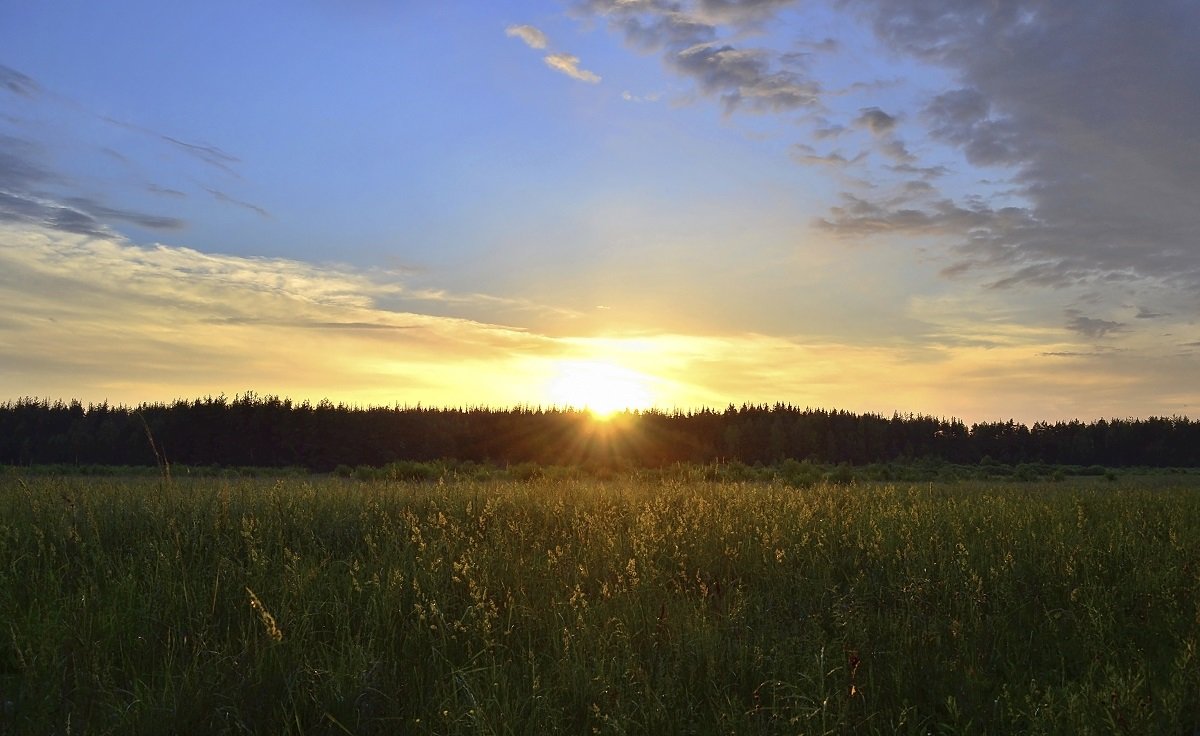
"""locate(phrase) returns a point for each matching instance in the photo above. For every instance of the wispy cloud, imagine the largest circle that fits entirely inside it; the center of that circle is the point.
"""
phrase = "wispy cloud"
(209, 154)
(532, 36)
(97, 317)
(18, 83)
(23, 179)
(648, 97)
(569, 64)
(559, 61)
(165, 191)
(223, 197)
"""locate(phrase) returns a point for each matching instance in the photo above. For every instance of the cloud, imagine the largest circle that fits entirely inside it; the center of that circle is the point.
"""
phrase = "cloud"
(208, 154)
(99, 318)
(740, 12)
(19, 166)
(806, 154)
(744, 78)
(858, 216)
(1075, 353)
(1096, 329)
(80, 215)
(1086, 107)
(1091, 105)
(532, 37)
(18, 83)
(752, 79)
(670, 29)
(896, 150)
(37, 189)
(963, 118)
(559, 61)
(569, 64)
(211, 155)
(875, 120)
(223, 197)
(165, 191)
(928, 172)
(22, 199)
(649, 97)
(96, 211)
(95, 316)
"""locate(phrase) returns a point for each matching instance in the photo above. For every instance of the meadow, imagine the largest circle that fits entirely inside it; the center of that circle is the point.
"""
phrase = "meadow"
(326, 605)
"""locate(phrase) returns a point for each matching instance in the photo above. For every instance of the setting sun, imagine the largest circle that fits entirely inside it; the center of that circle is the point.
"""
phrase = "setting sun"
(602, 388)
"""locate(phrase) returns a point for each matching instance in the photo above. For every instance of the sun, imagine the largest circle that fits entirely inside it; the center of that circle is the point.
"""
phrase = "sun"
(602, 388)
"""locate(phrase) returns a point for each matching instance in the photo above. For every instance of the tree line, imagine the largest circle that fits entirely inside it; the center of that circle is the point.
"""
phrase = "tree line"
(269, 431)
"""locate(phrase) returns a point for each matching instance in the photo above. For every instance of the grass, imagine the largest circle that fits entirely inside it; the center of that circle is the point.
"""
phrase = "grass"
(326, 605)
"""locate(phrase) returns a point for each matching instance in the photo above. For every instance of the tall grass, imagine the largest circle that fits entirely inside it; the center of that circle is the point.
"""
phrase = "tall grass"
(575, 606)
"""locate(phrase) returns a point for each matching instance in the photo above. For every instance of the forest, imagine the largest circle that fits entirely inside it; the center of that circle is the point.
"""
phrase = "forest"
(270, 431)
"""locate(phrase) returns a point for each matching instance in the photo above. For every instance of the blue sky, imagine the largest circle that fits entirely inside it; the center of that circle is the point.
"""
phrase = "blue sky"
(954, 208)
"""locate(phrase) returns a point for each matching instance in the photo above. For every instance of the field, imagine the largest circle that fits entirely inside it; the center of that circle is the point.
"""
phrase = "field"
(332, 605)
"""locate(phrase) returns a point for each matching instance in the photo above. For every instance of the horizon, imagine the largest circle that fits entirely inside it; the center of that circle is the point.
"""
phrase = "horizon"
(598, 416)
(956, 210)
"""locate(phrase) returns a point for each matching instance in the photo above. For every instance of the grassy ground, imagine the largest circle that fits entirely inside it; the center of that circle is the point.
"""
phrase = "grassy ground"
(574, 606)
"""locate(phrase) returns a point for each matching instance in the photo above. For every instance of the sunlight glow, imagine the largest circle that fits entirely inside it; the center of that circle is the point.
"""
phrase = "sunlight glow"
(602, 388)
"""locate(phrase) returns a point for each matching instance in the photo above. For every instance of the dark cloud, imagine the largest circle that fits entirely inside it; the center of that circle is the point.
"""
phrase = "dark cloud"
(73, 221)
(897, 151)
(875, 120)
(19, 167)
(23, 197)
(14, 208)
(1096, 329)
(1092, 104)
(740, 11)
(927, 172)
(17, 83)
(744, 78)
(962, 118)
(99, 211)
(78, 215)
(668, 30)
(826, 129)
(686, 33)
(955, 270)
(858, 216)
(1144, 313)
(918, 188)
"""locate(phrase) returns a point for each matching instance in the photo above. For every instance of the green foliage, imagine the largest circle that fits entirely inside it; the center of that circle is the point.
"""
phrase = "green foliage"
(457, 604)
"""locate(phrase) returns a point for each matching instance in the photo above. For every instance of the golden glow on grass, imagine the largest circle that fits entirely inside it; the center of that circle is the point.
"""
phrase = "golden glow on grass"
(600, 387)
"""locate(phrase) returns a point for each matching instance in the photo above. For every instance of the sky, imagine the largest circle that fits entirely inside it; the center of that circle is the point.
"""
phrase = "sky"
(982, 210)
